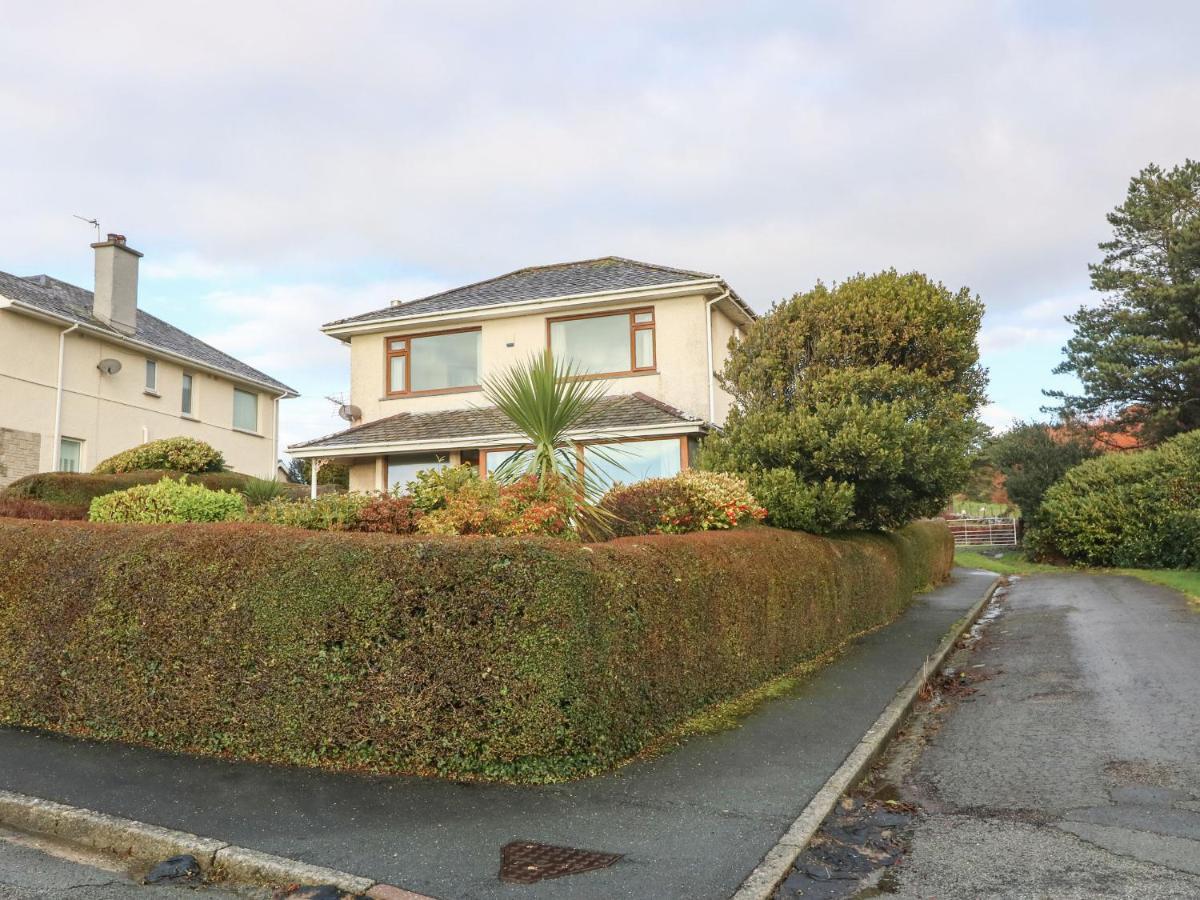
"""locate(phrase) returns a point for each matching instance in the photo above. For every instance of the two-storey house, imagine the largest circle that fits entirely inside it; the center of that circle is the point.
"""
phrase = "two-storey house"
(86, 374)
(655, 335)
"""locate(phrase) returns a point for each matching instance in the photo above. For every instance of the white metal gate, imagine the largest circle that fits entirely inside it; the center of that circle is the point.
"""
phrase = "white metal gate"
(993, 532)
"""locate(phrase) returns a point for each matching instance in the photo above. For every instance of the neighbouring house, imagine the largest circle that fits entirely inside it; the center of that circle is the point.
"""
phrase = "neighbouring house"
(656, 335)
(86, 374)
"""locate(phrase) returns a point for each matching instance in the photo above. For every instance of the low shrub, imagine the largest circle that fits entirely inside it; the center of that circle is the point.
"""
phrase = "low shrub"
(818, 507)
(177, 454)
(432, 488)
(169, 500)
(504, 658)
(1138, 509)
(79, 489)
(328, 512)
(693, 500)
(24, 508)
(258, 491)
(478, 506)
(389, 514)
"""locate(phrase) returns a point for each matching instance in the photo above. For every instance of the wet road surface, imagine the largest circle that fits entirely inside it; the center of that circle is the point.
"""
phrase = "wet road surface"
(1070, 766)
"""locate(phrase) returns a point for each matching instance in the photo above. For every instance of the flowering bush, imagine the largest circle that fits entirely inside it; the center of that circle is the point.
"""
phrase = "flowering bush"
(488, 507)
(168, 501)
(693, 500)
(724, 499)
(177, 454)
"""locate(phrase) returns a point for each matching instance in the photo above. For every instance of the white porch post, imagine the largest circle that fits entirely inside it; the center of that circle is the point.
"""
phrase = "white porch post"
(312, 477)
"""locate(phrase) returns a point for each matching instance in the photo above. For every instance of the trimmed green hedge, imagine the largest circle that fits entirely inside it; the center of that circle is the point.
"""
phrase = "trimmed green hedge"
(79, 489)
(528, 659)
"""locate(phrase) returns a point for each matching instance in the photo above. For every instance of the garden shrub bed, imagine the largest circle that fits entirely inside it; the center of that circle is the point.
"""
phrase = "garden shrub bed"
(526, 659)
(79, 489)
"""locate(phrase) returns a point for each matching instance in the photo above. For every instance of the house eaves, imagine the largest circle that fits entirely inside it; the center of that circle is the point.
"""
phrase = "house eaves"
(279, 390)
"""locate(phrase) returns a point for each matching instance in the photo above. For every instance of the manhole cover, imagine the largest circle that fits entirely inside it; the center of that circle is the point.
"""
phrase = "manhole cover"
(524, 862)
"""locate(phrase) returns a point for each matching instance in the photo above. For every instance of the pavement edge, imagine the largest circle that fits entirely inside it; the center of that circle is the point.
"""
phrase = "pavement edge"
(140, 842)
(761, 883)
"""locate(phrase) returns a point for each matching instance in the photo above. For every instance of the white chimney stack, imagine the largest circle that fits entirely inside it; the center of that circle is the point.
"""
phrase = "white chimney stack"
(115, 300)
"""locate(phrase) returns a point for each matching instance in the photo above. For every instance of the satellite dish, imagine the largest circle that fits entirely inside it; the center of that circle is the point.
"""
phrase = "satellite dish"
(109, 366)
(349, 413)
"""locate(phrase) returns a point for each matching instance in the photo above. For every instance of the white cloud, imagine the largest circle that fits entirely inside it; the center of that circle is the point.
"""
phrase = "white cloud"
(775, 143)
(998, 417)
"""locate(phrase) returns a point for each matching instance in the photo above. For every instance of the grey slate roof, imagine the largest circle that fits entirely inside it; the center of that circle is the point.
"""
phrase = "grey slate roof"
(612, 413)
(74, 303)
(589, 276)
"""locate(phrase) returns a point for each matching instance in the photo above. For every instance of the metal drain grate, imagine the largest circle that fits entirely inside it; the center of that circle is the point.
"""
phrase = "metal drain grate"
(524, 862)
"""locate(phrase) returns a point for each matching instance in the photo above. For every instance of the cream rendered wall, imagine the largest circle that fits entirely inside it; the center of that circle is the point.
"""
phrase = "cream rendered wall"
(680, 380)
(724, 328)
(110, 413)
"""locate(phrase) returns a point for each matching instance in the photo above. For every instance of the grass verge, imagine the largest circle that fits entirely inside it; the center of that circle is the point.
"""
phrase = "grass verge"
(1013, 562)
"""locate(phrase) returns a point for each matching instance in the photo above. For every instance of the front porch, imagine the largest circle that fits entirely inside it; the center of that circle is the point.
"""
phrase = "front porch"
(629, 437)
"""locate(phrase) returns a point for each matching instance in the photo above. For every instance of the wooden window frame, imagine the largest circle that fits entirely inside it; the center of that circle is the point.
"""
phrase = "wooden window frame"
(634, 327)
(406, 352)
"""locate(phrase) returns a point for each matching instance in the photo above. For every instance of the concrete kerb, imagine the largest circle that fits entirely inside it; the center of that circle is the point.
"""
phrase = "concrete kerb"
(140, 842)
(761, 883)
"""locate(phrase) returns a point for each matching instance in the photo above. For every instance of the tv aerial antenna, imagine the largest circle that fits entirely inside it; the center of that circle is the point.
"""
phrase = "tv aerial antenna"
(351, 414)
(93, 222)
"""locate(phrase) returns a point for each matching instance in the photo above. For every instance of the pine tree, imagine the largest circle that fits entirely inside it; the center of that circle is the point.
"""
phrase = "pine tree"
(1137, 354)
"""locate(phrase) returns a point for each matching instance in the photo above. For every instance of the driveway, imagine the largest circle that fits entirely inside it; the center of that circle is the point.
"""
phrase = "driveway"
(1073, 770)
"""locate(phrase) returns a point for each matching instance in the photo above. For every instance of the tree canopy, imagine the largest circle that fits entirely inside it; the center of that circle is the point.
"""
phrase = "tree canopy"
(1137, 354)
(1033, 456)
(856, 403)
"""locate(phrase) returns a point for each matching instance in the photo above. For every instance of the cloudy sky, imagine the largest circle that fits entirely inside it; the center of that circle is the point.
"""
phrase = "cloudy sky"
(285, 164)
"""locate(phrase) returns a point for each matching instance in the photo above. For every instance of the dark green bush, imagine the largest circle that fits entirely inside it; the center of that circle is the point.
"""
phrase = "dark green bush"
(177, 454)
(1139, 509)
(79, 489)
(512, 658)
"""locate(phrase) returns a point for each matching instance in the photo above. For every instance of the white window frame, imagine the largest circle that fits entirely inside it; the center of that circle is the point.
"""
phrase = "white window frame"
(236, 426)
(152, 377)
(69, 440)
(188, 381)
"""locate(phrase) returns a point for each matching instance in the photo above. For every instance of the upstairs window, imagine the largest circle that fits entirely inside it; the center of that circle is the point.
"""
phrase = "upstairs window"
(433, 363)
(185, 402)
(245, 410)
(151, 376)
(619, 343)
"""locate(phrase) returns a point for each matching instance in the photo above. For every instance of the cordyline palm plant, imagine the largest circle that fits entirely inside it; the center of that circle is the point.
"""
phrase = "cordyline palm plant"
(546, 400)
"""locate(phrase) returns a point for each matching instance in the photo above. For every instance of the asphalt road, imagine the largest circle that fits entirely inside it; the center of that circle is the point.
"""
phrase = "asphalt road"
(31, 869)
(1073, 771)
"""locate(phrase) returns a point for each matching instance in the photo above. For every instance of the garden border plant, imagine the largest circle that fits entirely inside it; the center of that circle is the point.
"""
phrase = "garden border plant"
(526, 659)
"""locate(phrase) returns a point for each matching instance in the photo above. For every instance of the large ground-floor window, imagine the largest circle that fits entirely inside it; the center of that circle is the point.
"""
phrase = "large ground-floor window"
(630, 461)
(618, 461)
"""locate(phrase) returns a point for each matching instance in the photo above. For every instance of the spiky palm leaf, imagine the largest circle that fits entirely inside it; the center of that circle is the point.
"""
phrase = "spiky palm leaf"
(546, 400)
